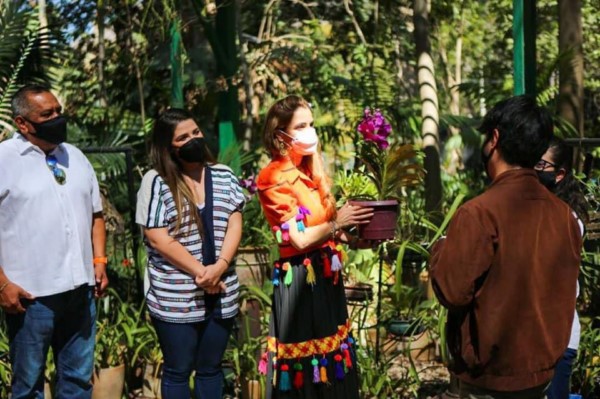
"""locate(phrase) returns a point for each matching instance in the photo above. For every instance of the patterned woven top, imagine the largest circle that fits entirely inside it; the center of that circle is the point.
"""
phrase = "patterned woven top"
(173, 296)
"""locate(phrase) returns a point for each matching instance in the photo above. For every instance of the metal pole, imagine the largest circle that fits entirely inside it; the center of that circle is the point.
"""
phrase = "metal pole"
(378, 310)
(524, 31)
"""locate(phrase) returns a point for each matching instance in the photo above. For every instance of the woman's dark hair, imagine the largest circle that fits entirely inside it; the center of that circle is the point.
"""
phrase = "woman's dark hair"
(569, 189)
(166, 163)
(524, 129)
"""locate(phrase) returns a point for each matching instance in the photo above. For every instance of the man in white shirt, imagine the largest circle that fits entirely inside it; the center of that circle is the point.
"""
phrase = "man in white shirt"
(52, 249)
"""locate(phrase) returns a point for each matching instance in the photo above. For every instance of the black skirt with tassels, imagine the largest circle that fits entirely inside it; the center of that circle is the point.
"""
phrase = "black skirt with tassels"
(310, 352)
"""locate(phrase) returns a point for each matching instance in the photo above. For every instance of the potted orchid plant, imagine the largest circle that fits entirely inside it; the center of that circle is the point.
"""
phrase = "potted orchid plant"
(390, 166)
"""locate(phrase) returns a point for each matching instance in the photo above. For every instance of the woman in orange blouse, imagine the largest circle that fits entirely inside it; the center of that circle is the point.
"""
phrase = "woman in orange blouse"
(310, 352)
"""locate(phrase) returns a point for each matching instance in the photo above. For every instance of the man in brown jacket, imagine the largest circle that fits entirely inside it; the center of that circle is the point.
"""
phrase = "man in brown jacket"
(508, 268)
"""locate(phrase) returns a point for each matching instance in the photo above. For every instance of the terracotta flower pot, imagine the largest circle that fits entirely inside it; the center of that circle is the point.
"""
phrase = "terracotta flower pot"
(152, 380)
(109, 383)
(359, 292)
(251, 389)
(382, 225)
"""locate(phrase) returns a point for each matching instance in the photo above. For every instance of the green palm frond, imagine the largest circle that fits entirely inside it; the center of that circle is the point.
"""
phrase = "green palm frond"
(402, 169)
(28, 53)
(393, 169)
(227, 155)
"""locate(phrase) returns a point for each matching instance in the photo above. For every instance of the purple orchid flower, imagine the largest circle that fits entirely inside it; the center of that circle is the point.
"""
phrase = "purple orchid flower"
(374, 127)
(249, 184)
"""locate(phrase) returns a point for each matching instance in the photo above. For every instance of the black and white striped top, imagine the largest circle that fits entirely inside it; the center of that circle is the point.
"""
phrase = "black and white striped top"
(173, 296)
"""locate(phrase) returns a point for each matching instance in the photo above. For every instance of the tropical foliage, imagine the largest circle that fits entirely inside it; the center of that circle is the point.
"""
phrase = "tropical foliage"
(115, 64)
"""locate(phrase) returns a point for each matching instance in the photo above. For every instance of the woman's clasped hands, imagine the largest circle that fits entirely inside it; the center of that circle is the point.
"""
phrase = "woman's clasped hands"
(209, 278)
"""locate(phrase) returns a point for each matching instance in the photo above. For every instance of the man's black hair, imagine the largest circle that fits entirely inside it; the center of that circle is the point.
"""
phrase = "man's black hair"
(18, 102)
(525, 130)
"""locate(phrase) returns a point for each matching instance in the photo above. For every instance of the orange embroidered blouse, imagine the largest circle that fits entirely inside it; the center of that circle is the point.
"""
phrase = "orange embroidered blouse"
(282, 189)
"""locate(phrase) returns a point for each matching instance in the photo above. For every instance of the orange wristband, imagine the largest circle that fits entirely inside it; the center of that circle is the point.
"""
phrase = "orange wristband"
(101, 259)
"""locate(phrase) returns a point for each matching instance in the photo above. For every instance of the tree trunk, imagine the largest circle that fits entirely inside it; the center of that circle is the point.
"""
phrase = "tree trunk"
(430, 108)
(570, 40)
(43, 16)
(570, 86)
(176, 65)
(225, 25)
(222, 38)
(101, 55)
(135, 60)
(248, 88)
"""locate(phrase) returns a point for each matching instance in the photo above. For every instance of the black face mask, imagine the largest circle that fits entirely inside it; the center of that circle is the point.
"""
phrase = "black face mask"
(547, 178)
(193, 151)
(53, 131)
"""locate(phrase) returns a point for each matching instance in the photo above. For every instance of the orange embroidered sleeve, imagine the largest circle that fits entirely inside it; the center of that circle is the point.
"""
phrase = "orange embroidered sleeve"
(278, 203)
(276, 192)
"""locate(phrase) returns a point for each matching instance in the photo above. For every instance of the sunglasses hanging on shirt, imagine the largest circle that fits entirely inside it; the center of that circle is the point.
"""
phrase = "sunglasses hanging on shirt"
(59, 175)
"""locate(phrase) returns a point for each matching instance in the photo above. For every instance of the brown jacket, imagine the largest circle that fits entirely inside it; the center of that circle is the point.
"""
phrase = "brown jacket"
(507, 272)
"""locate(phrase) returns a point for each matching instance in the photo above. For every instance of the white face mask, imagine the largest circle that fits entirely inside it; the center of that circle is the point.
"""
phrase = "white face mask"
(305, 142)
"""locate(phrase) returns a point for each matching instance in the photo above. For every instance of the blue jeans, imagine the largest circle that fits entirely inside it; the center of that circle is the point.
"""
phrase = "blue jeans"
(561, 384)
(65, 321)
(468, 391)
(193, 346)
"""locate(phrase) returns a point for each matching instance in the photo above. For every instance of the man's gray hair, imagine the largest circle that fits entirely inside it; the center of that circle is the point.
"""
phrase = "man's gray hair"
(19, 104)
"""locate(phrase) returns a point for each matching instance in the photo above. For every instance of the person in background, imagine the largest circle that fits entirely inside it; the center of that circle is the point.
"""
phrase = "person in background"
(554, 172)
(507, 270)
(52, 249)
(190, 210)
(309, 352)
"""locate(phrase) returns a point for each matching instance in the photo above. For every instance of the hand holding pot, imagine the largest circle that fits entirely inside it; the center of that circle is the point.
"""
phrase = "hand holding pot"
(349, 215)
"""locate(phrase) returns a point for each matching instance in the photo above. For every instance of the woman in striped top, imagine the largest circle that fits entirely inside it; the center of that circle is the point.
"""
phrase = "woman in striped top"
(190, 210)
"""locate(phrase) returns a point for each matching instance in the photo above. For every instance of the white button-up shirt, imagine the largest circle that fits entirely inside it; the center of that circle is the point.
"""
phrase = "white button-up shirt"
(45, 227)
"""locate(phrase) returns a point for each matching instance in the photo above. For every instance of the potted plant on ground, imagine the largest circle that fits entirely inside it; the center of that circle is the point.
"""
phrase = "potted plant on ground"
(244, 354)
(111, 348)
(390, 167)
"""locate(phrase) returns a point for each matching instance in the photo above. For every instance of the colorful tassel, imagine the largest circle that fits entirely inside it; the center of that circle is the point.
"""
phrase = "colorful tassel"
(276, 274)
(342, 254)
(300, 223)
(284, 384)
(352, 347)
(277, 232)
(339, 368)
(336, 265)
(262, 365)
(285, 232)
(323, 371)
(303, 211)
(347, 357)
(274, 382)
(316, 375)
(298, 376)
(289, 274)
(310, 272)
(327, 273)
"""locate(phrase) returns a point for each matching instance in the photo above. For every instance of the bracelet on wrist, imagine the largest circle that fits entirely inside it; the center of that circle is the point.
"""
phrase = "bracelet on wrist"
(224, 260)
(3, 286)
(101, 260)
(334, 229)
